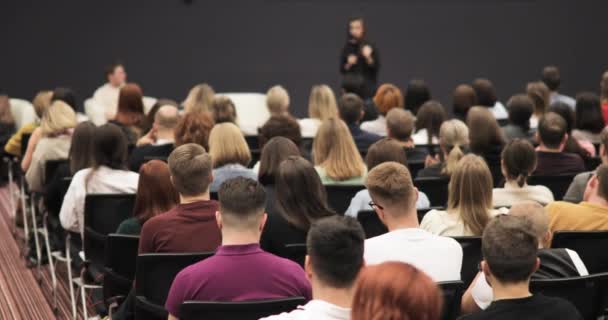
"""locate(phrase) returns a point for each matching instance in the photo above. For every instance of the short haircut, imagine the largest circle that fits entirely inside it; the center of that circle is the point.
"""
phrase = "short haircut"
(392, 183)
(385, 150)
(463, 99)
(536, 215)
(242, 201)
(400, 124)
(190, 168)
(387, 97)
(486, 93)
(416, 94)
(519, 160)
(602, 178)
(167, 117)
(552, 129)
(520, 108)
(66, 95)
(273, 153)
(350, 107)
(277, 100)
(551, 77)
(223, 110)
(110, 68)
(194, 127)
(280, 126)
(510, 248)
(335, 250)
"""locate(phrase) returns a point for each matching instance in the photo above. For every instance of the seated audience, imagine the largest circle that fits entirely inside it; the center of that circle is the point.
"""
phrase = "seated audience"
(109, 174)
(463, 99)
(159, 141)
(428, 121)
(240, 270)
(321, 106)
(68, 96)
(387, 97)
(7, 122)
(277, 101)
(394, 200)
(41, 101)
(130, 116)
(518, 163)
(336, 157)
(354, 83)
(510, 258)
(589, 120)
(194, 127)
(274, 152)
(520, 108)
(552, 160)
(554, 263)
(230, 154)
(155, 195)
(335, 257)
(107, 95)
(396, 290)
(576, 190)
(583, 148)
(199, 99)
(399, 127)
(282, 126)
(551, 77)
(151, 115)
(453, 143)
(385, 150)
(351, 112)
(604, 95)
(486, 138)
(302, 201)
(487, 97)
(539, 93)
(469, 201)
(223, 110)
(417, 93)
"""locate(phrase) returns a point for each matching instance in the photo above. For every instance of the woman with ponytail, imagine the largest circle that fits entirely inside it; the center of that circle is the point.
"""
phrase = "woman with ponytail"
(518, 163)
(454, 144)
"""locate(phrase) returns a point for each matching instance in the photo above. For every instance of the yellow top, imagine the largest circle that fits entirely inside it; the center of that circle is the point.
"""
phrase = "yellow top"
(13, 146)
(577, 217)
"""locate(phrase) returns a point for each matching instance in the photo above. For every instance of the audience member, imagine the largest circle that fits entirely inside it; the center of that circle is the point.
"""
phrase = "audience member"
(223, 110)
(589, 119)
(194, 127)
(321, 106)
(518, 163)
(486, 138)
(604, 95)
(417, 93)
(583, 148)
(351, 112)
(354, 83)
(277, 101)
(130, 115)
(552, 160)
(336, 157)
(230, 154)
(520, 108)
(540, 95)
(453, 143)
(387, 97)
(281, 126)
(335, 257)
(463, 99)
(579, 183)
(41, 101)
(399, 127)
(7, 122)
(240, 270)
(159, 141)
(273, 153)
(510, 257)
(428, 122)
(394, 200)
(199, 99)
(551, 77)
(107, 95)
(151, 114)
(486, 97)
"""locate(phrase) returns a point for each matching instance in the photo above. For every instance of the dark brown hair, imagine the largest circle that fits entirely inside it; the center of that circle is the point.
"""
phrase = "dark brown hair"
(520, 108)
(463, 99)
(519, 160)
(589, 112)
(81, 148)
(274, 152)
(223, 110)
(155, 192)
(430, 117)
(485, 132)
(416, 94)
(280, 126)
(485, 91)
(551, 129)
(194, 127)
(130, 106)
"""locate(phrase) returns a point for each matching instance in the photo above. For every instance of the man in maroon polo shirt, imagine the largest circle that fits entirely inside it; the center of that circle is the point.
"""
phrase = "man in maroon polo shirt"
(240, 270)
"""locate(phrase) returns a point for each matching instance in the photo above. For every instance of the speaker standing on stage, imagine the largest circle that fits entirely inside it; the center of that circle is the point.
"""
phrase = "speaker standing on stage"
(360, 57)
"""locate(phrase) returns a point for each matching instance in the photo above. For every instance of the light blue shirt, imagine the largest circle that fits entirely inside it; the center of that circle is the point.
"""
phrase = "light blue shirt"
(556, 97)
(229, 171)
(361, 202)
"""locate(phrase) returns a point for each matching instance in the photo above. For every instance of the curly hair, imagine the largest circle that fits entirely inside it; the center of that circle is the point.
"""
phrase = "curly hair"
(194, 127)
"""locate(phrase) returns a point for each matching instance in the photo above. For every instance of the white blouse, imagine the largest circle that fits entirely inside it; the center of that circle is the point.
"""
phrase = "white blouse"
(309, 127)
(512, 194)
(377, 126)
(450, 224)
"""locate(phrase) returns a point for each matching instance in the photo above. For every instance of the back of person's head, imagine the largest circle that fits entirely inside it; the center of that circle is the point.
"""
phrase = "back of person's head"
(66, 95)
(223, 110)
(351, 108)
(416, 94)
(6, 116)
(280, 126)
(151, 115)
(552, 130)
(335, 251)
(390, 186)
(42, 101)
(510, 249)
(130, 105)
(400, 124)
(487, 133)
(81, 148)
(274, 152)
(155, 192)
(199, 98)
(540, 95)
(485, 91)
(110, 147)
(388, 96)
(190, 167)
(599, 183)
(322, 103)
(385, 150)
(430, 116)
(277, 100)
(166, 118)
(518, 161)
(604, 87)
(454, 140)
(463, 99)
(470, 192)
(566, 112)
(242, 203)
(520, 108)
(537, 217)
(589, 112)
(302, 198)
(396, 290)
(228, 146)
(354, 83)
(57, 119)
(334, 149)
(551, 77)
(194, 127)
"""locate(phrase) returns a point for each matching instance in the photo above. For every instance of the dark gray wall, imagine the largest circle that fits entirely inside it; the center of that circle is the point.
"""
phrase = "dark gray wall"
(248, 45)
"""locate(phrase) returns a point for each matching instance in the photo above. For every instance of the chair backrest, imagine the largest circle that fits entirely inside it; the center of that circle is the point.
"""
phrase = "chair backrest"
(255, 157)
(155, 273)
(557, 184)
(372, 226)
(415, 166)
(471, 256)
(590, 246)
(588, 294)
(50, 168)
(339, 196)
(244, 310)
(252, 142)
(119, 266)
(452, 296)
(436, 190)
(25, 139)
(295, 252)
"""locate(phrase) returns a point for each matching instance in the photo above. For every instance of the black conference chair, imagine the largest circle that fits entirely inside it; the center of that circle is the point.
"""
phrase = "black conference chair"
(414, 167)
(557, 184)
(161, 158)
(339, 196)
(452, 296)
(50, 168)
(214, 196)
(372, 226)
(588, 294)
(252, 142)
(295, 252)
(307, 144)
(436, 190)
(590, 246)
(422, 212)
(155, 273)
(471, 256)
(255, 157)
(245, 310)
(119, 267)
(592, 163)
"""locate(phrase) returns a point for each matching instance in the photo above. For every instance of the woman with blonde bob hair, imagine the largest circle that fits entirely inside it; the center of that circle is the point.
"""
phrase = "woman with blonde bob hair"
(199, 98)
(453, 143)
(322, 105)
(230, 154)
(336, 157)
(469, 201)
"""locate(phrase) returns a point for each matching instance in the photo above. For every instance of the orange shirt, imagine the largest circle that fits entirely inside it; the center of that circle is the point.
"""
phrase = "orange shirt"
(577, 217)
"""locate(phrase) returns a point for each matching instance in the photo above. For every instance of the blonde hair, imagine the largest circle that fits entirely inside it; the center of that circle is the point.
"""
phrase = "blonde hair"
(335, 151)
(199, 98)
(453, 138)
(227, 145)
(277, 100)
(57, 118)
(42, 101)
(322, 103)
(470, 193)
(392, 182)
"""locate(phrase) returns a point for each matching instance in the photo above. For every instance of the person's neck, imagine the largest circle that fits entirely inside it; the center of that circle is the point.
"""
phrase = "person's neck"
(513, 183)
(406, 144)
(190, 199)
(115, 86)
(544, 148)
(510, 291)
(234, 237)
(597, 200)
(339, 297)
(165, 135)
(403, 220)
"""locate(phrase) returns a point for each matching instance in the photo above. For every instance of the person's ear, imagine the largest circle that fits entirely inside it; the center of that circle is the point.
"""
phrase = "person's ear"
(263, 221)
(485, 268)
(536, 265)
(218, 219)
(417, 194)
(381, 215)
(590, 189)
(564, 140)
(308, 268)
(546, 241)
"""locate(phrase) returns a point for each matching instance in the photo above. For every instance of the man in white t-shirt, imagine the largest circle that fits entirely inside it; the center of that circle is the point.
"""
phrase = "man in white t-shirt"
(335, 257)
(106, 96)
(394, 200)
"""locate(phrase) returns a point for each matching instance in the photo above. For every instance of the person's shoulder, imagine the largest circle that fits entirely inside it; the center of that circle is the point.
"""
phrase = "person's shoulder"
(158, 220)
(560, 306)
(558, 206)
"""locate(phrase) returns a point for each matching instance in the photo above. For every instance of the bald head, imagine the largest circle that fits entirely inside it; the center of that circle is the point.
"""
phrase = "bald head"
(166, 117)
(537, 216)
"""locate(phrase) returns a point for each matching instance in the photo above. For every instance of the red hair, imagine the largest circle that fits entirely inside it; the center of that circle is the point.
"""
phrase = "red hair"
(155, 192)
(396, 291)
(387, 97)
(130, 105)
